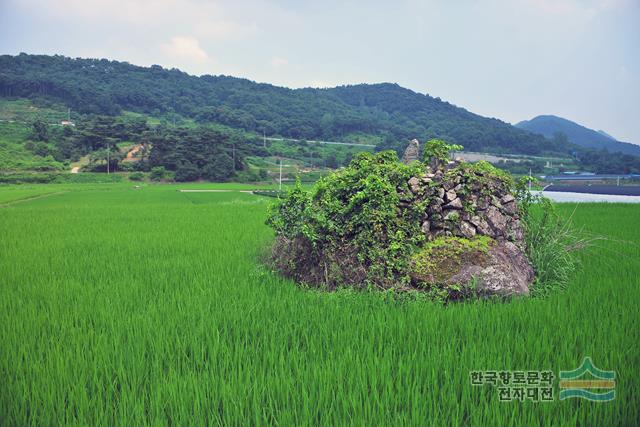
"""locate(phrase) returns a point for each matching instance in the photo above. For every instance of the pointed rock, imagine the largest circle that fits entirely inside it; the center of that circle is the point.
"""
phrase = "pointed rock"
(412, 152)
(454, 204)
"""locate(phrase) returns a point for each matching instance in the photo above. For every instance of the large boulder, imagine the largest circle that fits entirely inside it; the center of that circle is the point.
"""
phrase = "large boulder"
(480, 267)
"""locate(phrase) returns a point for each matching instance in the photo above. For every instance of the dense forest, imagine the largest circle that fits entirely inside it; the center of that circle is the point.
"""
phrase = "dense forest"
(190, 153)
(228, 115)
(389, 111)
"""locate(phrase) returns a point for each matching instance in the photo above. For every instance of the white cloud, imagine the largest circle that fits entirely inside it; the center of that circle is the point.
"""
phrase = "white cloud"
(277, 62)
(185, 48)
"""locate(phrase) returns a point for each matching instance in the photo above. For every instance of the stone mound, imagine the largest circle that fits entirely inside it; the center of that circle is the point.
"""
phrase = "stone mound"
(459, 227)
(463, 200)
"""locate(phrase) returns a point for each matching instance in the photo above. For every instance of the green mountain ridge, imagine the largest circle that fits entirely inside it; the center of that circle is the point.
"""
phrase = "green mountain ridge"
(385, 110)
(549, 125)
(199, 126)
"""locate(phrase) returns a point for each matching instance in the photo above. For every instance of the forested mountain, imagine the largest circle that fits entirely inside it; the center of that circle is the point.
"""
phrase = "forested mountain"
(205, 127)
(387, 111)
(549, 126)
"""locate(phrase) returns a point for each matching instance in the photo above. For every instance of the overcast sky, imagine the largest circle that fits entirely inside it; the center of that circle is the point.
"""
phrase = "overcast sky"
(510, 59)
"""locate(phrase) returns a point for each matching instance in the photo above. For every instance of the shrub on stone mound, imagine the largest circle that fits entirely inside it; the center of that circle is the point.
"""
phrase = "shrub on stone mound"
(349, 230)
(453, 229)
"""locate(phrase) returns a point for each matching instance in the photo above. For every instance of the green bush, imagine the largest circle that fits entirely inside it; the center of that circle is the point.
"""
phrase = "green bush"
(350, 224)
(126, 167)
(437, 150)
(27, 178)
(136, 176)
(157, 173)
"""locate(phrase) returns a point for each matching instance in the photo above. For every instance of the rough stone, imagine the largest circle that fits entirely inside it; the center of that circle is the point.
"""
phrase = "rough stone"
(467, 229)
(496, 220)
(459, 205)
(484, 229)
(483, 203)
(516, 232)
(450, 165)
(436, 207)
(450, 195)
(507, 198)
(505, 272)
(414, 185)
(510, 208)
(454, 204)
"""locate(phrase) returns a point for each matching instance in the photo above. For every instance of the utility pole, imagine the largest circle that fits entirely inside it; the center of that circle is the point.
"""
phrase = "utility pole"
(529, 179)
(108, 152)
(264, 139)
(280, 187)
(69, 114)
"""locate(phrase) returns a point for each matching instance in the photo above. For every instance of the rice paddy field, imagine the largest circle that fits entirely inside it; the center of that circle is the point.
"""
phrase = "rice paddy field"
(124, 306)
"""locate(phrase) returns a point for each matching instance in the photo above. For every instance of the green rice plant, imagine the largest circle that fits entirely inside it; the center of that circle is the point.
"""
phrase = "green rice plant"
(148, 306)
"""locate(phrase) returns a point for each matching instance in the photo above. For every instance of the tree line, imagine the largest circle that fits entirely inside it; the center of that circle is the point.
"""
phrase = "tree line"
(191, 153)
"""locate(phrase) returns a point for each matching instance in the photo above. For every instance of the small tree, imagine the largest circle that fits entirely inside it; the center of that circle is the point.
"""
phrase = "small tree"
(39, 131)
(221, 169)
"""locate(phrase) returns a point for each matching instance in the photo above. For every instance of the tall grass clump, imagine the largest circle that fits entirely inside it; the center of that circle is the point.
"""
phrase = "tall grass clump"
(551, 241)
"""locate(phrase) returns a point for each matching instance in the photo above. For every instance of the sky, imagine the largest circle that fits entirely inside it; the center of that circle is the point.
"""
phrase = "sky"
(509, 59)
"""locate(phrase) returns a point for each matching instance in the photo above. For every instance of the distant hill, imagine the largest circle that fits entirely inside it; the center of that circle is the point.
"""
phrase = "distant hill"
(577, 134)
(601, 132)
(384, 113)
